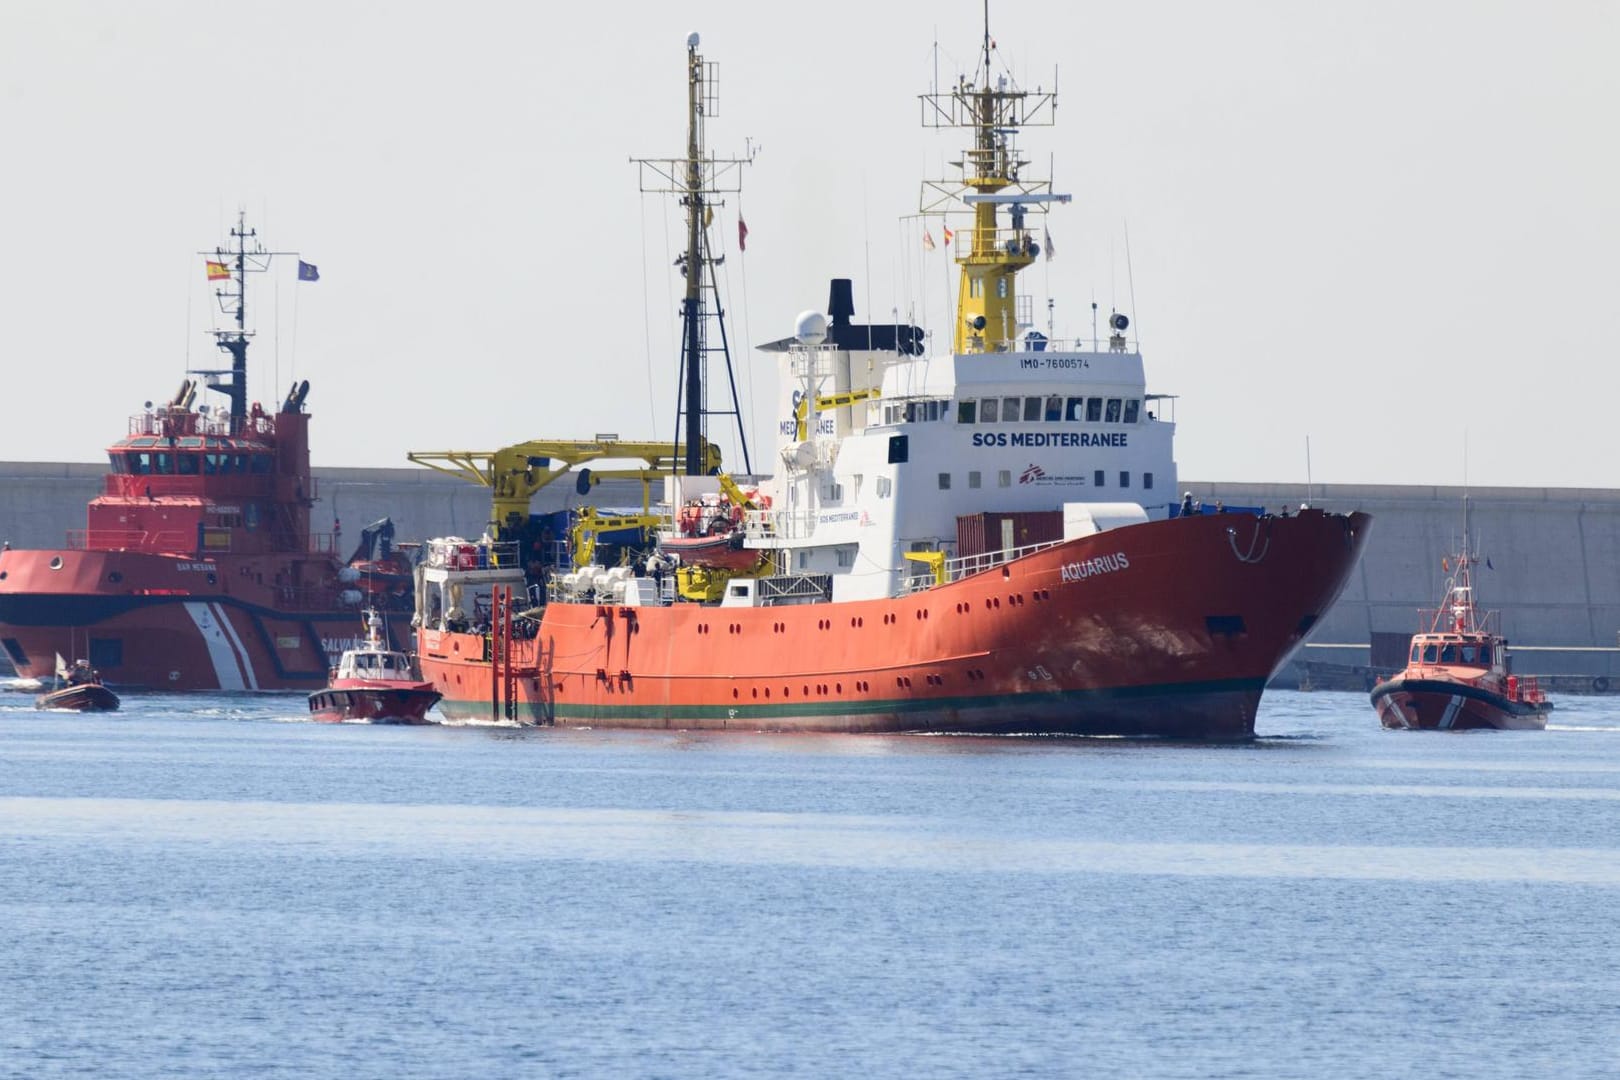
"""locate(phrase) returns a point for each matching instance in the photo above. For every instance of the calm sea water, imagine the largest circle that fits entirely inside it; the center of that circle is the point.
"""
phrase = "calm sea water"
(211, 886)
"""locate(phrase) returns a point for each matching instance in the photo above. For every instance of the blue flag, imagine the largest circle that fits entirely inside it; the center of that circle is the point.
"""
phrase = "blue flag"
(308, 271)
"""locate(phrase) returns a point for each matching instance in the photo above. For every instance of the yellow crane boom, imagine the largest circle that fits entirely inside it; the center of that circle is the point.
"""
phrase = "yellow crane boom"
(514, 473)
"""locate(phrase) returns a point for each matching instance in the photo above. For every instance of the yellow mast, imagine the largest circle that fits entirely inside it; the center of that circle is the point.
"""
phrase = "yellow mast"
(991, 256)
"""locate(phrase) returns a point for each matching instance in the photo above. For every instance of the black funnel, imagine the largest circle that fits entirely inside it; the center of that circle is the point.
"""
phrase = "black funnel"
(841, 301)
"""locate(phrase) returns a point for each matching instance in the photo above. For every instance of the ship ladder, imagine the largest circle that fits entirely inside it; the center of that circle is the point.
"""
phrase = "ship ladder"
(503, 679)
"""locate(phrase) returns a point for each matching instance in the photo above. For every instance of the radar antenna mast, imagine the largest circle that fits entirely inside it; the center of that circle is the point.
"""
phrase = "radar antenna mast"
(245, 256)
(699, 179)
(990, 257)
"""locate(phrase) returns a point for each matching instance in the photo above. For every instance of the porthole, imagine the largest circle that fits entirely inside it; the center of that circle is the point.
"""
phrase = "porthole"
(115, 576)
(56, 562)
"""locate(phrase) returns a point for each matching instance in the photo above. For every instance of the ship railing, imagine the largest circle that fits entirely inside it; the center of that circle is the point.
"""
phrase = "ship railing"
(1527, 688)
(814, 361)
(968, 565)
(1444, 621)
(171, 540)
(965, 243)
(325, 543)
(795, 589)
(454, 553)
(174, 423)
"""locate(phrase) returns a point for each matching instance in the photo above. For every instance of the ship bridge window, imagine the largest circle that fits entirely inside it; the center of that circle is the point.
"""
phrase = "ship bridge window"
(261, 464)
(1054, 409)
(1485, 655)
(1417, 651)
(163, 464)
(1113, 411)
(188, 464)
(1075, 412)
(965, 411)
(1133, 408)
(915, 412)
(1011, 409)
(1448, 654)
(1431, 653)
(1468, 654)
(989, 410)
(1094, 410)
(974, 478)
(1032, 408)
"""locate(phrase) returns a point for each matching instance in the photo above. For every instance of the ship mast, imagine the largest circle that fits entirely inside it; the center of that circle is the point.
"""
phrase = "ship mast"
(246, 256)
(993, 109)
(699, 180)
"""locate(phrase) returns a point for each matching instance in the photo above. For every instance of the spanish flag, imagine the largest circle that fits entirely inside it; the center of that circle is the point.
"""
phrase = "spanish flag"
(949, 236)
(218, 271)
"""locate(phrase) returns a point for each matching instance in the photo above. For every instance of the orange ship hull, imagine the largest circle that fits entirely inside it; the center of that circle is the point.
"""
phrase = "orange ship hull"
(1162, 629)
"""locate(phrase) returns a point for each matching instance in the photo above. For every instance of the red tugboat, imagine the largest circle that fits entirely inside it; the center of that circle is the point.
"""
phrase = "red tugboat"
(197, 569)
(80, 690)
(374, 684)
(1456, 677)
(863, 612)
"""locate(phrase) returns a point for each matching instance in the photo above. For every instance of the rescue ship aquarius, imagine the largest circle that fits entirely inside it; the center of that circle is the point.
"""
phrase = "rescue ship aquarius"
(197, 568)
(985, 541)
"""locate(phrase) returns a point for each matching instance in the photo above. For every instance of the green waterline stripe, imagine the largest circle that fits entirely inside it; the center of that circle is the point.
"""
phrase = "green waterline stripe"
(751, 709)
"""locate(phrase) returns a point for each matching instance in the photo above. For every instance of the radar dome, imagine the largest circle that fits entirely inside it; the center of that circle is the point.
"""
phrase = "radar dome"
(692, 40)
(1118, 321)
(810, 328)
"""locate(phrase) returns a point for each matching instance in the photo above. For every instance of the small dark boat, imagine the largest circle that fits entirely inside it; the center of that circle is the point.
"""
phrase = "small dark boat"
(374, 684)
(81, 690)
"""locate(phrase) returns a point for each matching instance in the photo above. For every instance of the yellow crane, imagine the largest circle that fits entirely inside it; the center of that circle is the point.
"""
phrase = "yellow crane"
(514, 473)
(588, 525)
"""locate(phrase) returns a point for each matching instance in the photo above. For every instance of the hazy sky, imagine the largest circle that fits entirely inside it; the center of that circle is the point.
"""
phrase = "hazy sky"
(1383, 226)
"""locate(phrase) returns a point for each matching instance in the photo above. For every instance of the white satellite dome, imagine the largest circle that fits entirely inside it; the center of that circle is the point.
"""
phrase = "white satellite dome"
(810, 328)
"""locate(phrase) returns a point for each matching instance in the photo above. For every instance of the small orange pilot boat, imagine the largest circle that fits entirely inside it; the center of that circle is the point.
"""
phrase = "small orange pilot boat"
(1457, 675)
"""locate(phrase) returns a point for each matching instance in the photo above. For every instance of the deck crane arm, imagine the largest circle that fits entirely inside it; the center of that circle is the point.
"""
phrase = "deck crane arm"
(514, 473)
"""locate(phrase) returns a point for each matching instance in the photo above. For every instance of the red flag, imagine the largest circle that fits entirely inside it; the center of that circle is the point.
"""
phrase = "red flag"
(948, 235)
(742, 234)
(1445, 566)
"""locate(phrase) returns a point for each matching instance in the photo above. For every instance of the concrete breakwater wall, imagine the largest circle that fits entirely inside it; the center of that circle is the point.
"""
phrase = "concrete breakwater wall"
(1554, 552)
